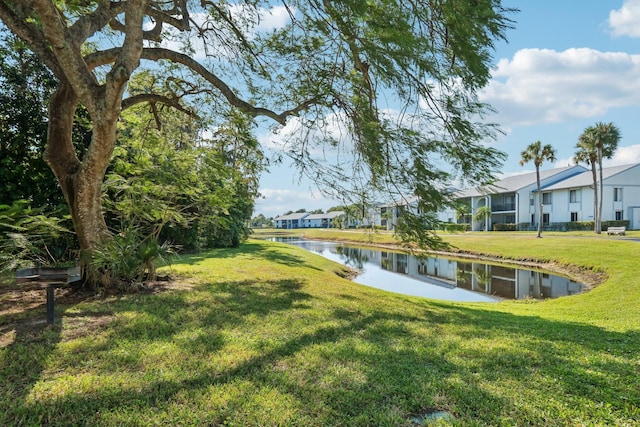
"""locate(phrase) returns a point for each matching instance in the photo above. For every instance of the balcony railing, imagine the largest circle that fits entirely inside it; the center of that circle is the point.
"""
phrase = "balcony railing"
(503, 207)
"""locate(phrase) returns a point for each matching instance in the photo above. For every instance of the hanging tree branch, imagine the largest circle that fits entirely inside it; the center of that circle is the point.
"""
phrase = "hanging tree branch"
(156, 54)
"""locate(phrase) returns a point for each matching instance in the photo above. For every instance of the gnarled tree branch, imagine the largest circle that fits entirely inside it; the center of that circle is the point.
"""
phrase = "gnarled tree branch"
(155, 54)
(173, 102)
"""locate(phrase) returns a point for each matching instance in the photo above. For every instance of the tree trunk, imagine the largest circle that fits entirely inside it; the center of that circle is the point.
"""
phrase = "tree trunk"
(601, 187)
(596, 213)
(540, 206)
(81, 182)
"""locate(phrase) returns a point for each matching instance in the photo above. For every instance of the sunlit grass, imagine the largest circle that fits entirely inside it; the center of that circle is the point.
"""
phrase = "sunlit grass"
(269, 334)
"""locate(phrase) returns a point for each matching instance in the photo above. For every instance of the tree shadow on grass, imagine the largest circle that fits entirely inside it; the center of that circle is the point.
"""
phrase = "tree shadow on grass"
(350, 365)
(259, 250)
(117, 336)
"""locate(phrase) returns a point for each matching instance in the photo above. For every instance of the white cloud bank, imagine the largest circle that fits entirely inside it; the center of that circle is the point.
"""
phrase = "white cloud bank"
(625, 21)
(258, 20)
(546, 86)
(623, 156)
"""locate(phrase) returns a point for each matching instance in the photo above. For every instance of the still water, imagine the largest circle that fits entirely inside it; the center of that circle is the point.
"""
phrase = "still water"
(439, 277)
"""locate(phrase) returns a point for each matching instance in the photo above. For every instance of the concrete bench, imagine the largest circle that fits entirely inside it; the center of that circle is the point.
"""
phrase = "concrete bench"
(620, 231)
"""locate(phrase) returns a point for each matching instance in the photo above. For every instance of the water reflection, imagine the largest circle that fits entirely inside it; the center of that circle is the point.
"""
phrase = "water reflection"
(439, 277)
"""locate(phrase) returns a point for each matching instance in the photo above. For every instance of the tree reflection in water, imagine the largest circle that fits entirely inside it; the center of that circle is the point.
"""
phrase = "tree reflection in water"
(441, 277)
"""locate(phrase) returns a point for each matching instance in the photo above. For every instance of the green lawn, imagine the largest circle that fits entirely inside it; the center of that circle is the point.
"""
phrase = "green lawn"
(268, 335)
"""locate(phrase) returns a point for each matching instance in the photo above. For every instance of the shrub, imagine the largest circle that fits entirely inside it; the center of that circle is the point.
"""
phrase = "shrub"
(505, 227)
(125, 259)
(579, 226)
(31, 237)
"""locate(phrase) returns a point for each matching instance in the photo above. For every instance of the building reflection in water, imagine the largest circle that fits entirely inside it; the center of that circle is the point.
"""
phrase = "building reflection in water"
(491, 279)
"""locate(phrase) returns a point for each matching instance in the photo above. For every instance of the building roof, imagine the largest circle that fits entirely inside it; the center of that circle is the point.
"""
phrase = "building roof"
(307, 215)
(328, 215)
(585, 179)
(405, 201)
(514, 183)
(292, 216)
(334, 214)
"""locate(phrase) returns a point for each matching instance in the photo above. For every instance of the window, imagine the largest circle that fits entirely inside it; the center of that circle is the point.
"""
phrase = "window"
(618, 215)
(617, 194)
(533, 219)
(546, 198)
(545, 219)
(574, 196)
(531, 200)
(574, 216)
(509, 203)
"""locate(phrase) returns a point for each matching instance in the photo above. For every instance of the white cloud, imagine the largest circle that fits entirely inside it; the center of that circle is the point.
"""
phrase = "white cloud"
(546, 86)
(626, 20)
(274, 18)
(625, 155)
(256, 20)
(299, 131)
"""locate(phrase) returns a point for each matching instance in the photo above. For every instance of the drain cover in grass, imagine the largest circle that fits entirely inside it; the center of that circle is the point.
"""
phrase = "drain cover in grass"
(431, 417)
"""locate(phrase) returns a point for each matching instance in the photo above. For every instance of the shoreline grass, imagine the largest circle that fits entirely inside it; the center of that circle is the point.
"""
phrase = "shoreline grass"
(269, 334)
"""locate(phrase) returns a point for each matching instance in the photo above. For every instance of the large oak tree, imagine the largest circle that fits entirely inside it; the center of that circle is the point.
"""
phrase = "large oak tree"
(402, 76)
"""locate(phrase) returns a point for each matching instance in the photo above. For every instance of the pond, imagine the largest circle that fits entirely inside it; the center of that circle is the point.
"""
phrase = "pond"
(440, 277)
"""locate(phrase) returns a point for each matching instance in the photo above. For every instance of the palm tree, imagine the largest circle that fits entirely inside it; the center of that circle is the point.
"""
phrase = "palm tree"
(588, 153)
(536, 153)
(482, 214)
(595, 144)
(607, 136)
(462, 212)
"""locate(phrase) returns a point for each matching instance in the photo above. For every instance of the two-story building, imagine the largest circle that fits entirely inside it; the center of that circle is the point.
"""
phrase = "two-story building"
(567, 196)
(324, 220)
(512, 200)
(573, 199)
(308, 220)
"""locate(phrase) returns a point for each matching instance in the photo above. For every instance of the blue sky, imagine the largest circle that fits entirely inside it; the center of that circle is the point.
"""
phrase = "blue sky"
(567, 65)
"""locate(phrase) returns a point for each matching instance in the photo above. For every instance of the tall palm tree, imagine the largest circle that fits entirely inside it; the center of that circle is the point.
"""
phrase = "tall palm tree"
(607, 136)
(588, 153)
(596, 143)
(537, 154)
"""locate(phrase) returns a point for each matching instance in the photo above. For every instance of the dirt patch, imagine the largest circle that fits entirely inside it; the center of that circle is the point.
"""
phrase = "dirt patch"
(23, 311)
(347, 273)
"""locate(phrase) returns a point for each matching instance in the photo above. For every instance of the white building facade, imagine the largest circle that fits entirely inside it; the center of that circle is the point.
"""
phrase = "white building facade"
(325, 220)
(308, 220)
(573, 199)
(567, 197)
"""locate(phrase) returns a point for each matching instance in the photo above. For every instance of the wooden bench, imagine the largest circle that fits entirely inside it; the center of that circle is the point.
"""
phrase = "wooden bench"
(49, 278)
(620, 231)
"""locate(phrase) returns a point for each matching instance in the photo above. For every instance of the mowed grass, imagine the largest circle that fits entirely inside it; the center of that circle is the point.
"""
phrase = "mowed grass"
(269, 335)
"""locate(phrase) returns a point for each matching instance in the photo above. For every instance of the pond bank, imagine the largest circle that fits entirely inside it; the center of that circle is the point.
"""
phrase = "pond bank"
(588, 276)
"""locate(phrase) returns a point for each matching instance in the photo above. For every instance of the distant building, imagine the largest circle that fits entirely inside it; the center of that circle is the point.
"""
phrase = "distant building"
(325, 220)
(293, 220)
(308, 220)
